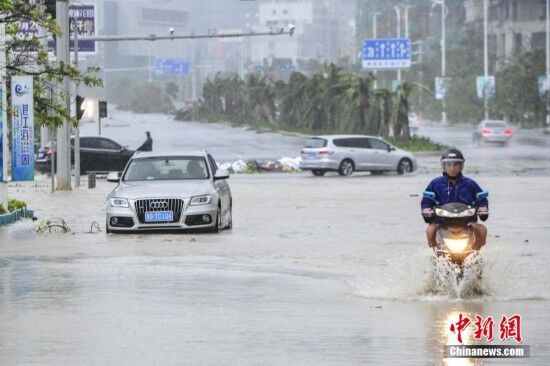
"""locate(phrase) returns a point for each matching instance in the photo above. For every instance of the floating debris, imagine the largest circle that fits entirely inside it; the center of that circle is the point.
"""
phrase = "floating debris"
(52, 225)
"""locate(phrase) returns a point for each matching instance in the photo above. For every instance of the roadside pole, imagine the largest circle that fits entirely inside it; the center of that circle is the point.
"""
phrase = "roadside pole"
(77, 128)
(3, 121)
(63, 136)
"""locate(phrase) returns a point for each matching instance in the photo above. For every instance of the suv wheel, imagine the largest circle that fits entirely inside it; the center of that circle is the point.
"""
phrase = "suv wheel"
(346, 167)
(318, 173)
(216, 228)
(404, 167)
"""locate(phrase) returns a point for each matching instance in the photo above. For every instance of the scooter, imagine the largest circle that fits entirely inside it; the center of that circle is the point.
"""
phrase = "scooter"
(455, 239)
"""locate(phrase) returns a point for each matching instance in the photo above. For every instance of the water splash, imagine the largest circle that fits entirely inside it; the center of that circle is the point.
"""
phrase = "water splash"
(496, 274)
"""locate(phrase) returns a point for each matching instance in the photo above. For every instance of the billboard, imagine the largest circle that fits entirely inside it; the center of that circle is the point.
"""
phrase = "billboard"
(442, 86)
(489, 84)
(22, 162)
(81, 17)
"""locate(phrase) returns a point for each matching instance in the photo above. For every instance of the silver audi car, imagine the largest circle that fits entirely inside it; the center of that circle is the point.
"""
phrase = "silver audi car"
(163, 191)
(348, 153)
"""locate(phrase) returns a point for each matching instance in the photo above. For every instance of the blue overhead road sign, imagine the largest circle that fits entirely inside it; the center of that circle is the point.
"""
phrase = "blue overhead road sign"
(172, 66)
(387, 53)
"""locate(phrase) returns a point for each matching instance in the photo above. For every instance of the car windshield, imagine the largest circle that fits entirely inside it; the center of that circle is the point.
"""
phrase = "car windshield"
(166, 168)
(315, 143)
(495, 124)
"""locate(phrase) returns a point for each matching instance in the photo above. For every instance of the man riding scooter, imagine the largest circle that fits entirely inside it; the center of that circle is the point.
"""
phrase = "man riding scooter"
(452, 186)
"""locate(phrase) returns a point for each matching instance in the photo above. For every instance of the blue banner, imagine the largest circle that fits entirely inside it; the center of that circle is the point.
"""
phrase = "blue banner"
(22, 162)
(1, 140)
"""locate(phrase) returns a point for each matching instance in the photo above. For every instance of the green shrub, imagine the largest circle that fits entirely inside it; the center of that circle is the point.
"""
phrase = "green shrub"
(2, 209)
(417, 143)
(16, 205)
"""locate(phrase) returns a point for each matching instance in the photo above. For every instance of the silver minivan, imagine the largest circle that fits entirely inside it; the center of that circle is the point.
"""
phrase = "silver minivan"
(348, 153)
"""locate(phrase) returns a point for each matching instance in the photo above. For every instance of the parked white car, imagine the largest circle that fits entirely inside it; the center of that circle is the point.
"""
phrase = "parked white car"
(348, 153)
(164, 191)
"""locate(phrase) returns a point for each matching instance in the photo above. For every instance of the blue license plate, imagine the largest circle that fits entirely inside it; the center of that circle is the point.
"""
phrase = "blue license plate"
(159, 216)
(311, 155)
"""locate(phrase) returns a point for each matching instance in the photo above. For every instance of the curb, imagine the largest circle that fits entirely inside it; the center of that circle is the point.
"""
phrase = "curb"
(15, 215)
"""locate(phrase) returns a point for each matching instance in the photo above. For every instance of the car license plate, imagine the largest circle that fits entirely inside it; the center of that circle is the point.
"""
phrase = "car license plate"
(311, 155)
(159, 216)
(40, 155)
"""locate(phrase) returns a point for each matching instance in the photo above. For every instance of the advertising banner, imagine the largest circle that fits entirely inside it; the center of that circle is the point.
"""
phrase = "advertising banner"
(22, 162)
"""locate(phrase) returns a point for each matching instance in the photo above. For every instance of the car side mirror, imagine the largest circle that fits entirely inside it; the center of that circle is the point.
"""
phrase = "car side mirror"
(114, 177)
(391, 148)
(221, 174)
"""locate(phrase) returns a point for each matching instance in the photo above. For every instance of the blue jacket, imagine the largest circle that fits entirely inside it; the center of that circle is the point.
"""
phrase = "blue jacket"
(463, 191)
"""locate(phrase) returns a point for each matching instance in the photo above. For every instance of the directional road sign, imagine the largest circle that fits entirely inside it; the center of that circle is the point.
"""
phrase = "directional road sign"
(387, 53)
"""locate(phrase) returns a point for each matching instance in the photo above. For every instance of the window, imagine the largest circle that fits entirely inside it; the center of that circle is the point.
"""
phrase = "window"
(543, 10)
(514, 11)
(493, 11)
(89, 143)
(167, 168)
(315, 143)
(378, 144)
(344, 142)
(107, 145)
(538, 40)
(518, 42)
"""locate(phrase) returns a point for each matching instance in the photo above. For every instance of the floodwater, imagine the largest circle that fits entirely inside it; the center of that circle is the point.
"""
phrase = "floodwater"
(316, 271)
(528, 152)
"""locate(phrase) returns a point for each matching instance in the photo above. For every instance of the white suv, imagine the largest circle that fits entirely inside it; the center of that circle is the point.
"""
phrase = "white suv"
(348, 153)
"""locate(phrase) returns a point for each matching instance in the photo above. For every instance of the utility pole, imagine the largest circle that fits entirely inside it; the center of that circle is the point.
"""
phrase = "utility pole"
(485, 61)
(63, 137)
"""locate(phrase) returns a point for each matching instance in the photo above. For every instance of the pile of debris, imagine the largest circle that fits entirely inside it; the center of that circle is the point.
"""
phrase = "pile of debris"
(284, 164)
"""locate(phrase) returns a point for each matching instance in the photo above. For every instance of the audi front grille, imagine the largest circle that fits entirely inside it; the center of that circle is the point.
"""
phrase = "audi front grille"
(159, 204)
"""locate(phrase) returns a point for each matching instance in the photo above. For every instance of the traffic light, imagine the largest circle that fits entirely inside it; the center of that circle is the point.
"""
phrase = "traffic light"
(102, 109)
(50, 7)
(79, 110)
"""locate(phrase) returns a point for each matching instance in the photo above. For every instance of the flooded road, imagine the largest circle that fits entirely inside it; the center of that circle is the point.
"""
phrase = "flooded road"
(315, 271)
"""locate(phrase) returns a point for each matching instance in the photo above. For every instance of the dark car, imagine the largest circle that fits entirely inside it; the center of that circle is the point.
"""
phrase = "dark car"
(96, 154)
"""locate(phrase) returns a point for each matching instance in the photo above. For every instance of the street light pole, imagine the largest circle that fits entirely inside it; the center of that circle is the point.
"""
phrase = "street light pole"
(443, 59)
(485, 61)
(63, 138)
(398, 13)
(374, 35)
(547, 62)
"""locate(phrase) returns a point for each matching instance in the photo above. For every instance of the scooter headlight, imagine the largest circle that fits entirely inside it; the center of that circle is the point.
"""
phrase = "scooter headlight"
(456, 245)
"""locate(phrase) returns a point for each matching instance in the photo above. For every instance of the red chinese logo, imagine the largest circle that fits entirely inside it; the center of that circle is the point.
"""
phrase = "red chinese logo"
(510, 327)
(484, 328)
(460, 326)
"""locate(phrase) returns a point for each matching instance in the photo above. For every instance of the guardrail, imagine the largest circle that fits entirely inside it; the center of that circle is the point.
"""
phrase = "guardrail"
(15, 215)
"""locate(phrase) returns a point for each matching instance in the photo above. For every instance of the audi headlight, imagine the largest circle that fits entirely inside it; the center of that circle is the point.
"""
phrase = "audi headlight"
(201, 200)
(119, 202)
(456, 245)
